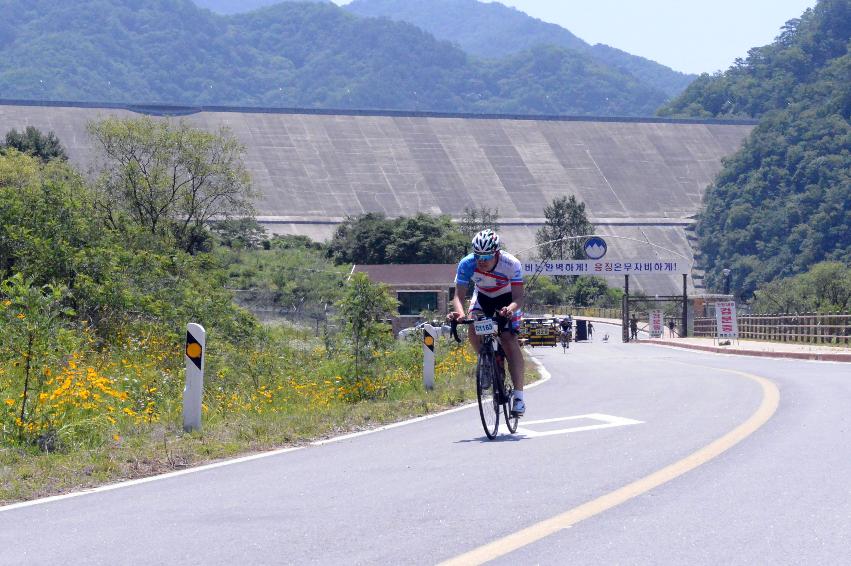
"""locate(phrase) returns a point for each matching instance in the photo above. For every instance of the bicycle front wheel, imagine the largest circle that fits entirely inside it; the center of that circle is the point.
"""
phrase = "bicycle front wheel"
(486, 384)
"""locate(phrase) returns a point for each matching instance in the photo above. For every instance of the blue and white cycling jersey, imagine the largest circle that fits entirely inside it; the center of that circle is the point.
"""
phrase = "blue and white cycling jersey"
(506, 273)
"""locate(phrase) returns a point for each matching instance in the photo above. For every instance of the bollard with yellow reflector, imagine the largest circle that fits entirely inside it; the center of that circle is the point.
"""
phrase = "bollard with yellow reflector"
(196, 340)
(429, 338)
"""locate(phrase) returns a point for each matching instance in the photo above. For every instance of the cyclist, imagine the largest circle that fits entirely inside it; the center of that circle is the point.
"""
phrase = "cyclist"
(497, 282)
(566, 324)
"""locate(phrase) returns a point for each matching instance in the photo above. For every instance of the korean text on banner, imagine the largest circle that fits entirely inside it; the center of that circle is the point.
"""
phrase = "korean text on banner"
(725, 319)
(597, 267)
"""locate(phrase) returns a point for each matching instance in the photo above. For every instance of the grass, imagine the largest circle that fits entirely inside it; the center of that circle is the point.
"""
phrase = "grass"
(139, 448)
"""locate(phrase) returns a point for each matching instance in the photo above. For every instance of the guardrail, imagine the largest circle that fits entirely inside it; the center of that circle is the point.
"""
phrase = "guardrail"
(560, 310)
(808, 328)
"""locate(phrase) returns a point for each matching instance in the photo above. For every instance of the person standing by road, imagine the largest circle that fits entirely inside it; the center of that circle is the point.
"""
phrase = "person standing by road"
(633, 328)
(497, 280)
(590, 330)
(671, 325)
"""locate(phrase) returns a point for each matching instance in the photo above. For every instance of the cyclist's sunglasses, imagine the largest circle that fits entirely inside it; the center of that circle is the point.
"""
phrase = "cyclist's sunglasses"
(484, 257)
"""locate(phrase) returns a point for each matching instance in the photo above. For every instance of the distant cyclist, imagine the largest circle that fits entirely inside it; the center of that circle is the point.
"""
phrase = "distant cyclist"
(497, 288)
(566, 326)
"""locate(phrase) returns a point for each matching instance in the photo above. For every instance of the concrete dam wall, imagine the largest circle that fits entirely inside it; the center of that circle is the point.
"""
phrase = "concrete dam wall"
(640, 179)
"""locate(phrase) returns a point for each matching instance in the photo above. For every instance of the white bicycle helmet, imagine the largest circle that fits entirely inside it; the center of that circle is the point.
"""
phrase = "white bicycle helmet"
(486, 242)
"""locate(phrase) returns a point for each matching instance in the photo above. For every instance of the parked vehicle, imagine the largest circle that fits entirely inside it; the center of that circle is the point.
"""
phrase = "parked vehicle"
(539, 331)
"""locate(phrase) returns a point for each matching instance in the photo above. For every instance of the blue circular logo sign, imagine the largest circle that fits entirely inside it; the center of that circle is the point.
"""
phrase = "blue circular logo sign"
(595, 248)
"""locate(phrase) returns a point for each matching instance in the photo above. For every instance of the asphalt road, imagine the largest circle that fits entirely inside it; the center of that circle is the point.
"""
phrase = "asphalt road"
(437, 489)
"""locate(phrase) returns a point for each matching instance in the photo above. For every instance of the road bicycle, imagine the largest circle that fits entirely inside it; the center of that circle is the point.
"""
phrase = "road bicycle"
(565, 340)
(493, 391)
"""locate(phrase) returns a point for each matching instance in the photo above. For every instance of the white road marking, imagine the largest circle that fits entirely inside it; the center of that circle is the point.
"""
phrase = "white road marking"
(607, 421)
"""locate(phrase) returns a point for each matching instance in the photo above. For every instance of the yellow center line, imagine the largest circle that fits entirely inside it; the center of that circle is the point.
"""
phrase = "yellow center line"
(547, 527)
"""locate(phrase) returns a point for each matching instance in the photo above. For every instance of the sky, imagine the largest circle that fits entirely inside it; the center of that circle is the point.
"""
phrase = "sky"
(692, 36)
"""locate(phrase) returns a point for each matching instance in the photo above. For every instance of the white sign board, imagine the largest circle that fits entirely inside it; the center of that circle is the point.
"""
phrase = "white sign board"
(600, 267)
(656, 324)
(725, 320)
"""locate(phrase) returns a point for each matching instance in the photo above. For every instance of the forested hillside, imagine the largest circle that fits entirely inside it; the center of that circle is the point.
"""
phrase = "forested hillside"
(288, 55)
(782, 203)
(240, 6)
(493, 30)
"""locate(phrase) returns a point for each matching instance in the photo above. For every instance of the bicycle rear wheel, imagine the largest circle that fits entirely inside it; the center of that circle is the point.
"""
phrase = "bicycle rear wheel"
(486, 375)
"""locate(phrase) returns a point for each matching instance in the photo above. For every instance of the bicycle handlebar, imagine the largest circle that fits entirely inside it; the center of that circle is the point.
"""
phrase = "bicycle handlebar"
(500, 321)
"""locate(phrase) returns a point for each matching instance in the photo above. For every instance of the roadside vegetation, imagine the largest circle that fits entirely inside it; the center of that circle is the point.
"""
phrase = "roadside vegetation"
(98, 280)
(824, 288)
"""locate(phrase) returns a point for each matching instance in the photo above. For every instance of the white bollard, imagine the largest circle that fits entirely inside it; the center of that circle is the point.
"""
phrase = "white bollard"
(196, 340)
(429, 338)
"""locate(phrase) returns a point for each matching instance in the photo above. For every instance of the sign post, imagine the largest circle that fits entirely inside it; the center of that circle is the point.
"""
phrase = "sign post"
(725, 320)
(429, 338)
(196, 340)
(656, 324)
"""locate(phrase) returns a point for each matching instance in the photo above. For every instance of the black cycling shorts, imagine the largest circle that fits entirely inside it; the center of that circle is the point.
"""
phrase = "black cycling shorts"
(489, 305)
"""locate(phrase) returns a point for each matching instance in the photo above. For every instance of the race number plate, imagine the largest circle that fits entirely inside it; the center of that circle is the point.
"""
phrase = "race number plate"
(542, 331)
(484, 327)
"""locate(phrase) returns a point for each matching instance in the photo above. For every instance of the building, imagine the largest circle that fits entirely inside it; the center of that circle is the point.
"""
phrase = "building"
(418, 287)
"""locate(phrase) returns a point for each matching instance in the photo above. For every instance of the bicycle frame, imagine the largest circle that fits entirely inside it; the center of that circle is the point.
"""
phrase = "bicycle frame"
(491, 342)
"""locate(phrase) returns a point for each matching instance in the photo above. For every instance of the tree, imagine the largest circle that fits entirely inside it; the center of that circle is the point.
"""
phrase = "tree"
(362, 239)
(372, 238)
(240, 233)
(364, 307)
(477, 219)
(425, 239)
(170, 179)
(590, 291)
(830, 283)
(826, 287)
(35, 143)
(46, 219)
(565, 218)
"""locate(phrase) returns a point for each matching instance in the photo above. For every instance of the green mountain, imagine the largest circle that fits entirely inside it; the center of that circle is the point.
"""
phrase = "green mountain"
(493, 30)
(312, 55)
(782, 203)
(241, 6)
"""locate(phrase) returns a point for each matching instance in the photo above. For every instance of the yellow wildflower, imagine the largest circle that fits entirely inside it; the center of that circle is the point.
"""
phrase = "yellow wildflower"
(9, 402)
